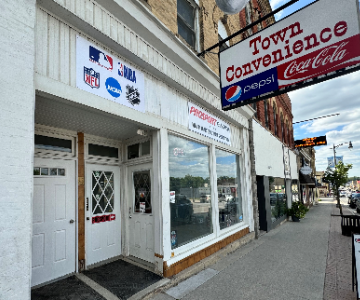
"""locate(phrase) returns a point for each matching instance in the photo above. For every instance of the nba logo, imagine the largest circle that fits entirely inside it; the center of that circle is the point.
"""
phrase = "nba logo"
(91, 78)
(100, 58)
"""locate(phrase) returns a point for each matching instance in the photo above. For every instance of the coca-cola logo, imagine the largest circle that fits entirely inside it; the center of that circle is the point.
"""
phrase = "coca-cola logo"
(327, 56)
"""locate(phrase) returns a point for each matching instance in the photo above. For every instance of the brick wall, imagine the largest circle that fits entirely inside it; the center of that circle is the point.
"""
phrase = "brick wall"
(17, 96)
(166, 12)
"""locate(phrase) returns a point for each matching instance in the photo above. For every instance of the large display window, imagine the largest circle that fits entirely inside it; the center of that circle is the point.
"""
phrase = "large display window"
(190, 191)
(277, 198)
(228, 187)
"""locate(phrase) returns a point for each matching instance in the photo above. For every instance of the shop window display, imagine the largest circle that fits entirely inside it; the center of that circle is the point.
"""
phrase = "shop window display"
(190, 191)
(228, 186)
(277, 198)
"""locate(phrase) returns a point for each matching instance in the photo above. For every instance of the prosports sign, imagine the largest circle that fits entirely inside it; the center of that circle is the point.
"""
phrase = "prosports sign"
(305, 48)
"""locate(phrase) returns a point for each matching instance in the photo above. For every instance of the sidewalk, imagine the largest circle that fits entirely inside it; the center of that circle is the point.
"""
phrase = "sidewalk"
(290, 262)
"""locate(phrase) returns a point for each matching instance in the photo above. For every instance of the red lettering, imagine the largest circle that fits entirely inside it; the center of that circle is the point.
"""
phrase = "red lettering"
(267, 40)
(298, 47)
(247, 68)
(277, 56)
(192, 109)
(266, 60)
(325, 40)
(340, 28)
(238, 72)
(312, 37)
(256, 63)
(253, 42)
(279, 35)
(296, 32)
(227, 73)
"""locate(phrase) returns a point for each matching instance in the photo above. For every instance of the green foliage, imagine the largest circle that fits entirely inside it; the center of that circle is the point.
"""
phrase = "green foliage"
(297, 209)
(338, 177)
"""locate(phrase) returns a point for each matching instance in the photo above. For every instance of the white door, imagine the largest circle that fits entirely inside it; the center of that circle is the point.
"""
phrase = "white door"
(141, 221)
(102, 213)
(53, 238)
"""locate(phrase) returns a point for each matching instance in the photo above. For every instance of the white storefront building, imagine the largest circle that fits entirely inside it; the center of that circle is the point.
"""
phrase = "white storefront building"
(113, 144)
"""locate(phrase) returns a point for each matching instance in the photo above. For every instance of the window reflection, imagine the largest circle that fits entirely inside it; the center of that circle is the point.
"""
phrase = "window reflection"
(190, 200)
(228, 185)
(277, 197)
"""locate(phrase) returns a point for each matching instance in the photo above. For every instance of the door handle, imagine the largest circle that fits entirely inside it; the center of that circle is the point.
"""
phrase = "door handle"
(130, 216)
(72, 221)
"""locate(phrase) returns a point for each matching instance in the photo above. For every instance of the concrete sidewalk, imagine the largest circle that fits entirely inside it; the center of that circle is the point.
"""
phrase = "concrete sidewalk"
(289, 262)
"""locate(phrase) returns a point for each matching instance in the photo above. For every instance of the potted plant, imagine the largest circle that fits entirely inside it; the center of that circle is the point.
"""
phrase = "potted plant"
(297, 211)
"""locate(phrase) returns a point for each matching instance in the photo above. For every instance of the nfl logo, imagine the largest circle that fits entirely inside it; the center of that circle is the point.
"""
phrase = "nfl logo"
(91, 78)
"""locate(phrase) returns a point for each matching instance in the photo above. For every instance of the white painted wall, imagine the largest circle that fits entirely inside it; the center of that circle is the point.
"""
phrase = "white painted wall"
(293, 166)
(269, 154)
(17, 99)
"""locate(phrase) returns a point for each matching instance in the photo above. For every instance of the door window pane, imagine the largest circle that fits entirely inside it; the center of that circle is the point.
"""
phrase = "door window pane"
(145, 148)
(277, 197)
(142, 188)
(228, 185)
(102, 192)
(133, 151)
(190, 201)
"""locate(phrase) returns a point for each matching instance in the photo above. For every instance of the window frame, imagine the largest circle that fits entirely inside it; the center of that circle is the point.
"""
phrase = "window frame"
(196, 30)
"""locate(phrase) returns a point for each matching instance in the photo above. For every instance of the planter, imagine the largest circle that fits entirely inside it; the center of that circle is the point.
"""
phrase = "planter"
(295, 219)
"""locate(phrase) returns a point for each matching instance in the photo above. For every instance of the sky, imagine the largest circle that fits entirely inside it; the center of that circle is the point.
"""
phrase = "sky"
(340, 95)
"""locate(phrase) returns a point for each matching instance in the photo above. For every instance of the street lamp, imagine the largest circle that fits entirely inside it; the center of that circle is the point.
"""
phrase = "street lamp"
(337, 146)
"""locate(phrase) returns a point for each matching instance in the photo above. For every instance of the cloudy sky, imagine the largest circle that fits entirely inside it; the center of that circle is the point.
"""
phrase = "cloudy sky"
(340, 95)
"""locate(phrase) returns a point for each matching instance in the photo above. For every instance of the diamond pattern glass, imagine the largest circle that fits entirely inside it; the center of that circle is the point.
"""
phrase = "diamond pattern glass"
(142, 187)
(102, 192)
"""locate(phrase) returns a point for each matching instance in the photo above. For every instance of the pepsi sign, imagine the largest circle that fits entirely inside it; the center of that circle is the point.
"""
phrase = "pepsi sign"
(249, 88)
(113, 87)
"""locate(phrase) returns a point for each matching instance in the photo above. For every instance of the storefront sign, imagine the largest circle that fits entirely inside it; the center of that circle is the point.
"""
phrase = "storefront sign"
(200, 121)
(331, 161)
(287, 170)
(104, 218)
(103, 74)
(306, 170)
(172, 197)
(311, 142)
(304, 48)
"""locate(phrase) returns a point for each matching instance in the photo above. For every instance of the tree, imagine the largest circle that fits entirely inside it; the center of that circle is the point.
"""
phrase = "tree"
(338, 177)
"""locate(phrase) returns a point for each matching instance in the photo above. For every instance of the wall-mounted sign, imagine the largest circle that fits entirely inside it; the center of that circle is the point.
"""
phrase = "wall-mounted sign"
(104, 218)
(200, 121)
(172, 197)
(286, 156)
(306, 170)
(302, 49)
(331, 161)
(311, 142)
(103, 74)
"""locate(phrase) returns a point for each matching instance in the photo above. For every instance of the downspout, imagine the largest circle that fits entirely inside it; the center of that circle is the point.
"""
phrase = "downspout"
(255, 203)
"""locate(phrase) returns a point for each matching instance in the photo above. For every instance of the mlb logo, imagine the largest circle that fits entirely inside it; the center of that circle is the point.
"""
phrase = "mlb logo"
(91, 78)
(100, 58)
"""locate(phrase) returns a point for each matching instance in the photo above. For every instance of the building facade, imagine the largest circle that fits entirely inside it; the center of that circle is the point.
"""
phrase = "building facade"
(114, 143)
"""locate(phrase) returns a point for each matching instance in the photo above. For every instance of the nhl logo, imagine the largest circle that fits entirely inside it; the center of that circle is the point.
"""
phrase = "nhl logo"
(91, 78)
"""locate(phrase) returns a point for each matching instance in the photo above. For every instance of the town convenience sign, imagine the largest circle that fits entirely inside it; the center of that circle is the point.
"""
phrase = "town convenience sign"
(305, 48)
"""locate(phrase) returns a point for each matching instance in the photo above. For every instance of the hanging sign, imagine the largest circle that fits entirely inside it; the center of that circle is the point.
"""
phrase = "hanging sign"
(142, 207)
(331, 161)
(200, 121)
(302, 49)
(306, 170)
(103, 74)
(311, 142)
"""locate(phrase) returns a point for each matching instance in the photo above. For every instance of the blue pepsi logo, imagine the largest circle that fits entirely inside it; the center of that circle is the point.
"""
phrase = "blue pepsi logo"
(113, 87)
(233, 93)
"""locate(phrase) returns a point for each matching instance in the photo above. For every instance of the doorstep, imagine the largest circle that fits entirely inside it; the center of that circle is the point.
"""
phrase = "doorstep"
(113, 281)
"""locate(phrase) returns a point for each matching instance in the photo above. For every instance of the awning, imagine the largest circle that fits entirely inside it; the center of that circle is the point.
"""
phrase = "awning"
(306, 180)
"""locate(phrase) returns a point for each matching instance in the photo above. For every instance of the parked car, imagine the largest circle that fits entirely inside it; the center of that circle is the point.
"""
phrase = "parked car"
(225, 197)
(357, 202)
(352, 201)
(342, 194)
(205, 198)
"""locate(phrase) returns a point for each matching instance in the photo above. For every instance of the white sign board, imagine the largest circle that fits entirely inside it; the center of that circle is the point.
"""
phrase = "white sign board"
(287, 169)
(356, 242)
(321, 38)
(200, 121)
(103, 74)
(142, 207)
(172, 196)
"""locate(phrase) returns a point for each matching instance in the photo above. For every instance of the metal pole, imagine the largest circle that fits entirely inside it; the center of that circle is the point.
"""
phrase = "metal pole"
(334, 155)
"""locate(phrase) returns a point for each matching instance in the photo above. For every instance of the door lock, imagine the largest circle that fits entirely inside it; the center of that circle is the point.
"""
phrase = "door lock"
(72, 221)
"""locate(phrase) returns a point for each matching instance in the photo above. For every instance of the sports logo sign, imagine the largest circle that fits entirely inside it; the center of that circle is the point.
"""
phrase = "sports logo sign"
(119, 82)
(91, 78)
(304, 48)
